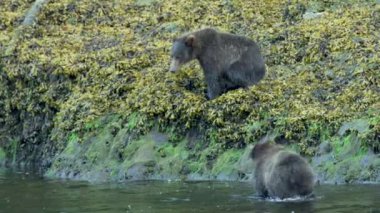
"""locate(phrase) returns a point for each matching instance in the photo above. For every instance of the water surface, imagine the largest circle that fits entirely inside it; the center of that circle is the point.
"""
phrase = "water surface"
(20, 192)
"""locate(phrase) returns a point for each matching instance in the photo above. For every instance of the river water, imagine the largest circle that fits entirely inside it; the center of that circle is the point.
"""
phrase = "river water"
(21, 192)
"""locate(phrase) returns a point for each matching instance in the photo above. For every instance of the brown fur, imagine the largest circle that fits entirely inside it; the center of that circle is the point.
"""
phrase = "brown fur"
(280, 173)
(228, 61)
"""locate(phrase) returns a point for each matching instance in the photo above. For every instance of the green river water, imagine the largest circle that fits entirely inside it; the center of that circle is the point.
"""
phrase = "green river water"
(21, 192)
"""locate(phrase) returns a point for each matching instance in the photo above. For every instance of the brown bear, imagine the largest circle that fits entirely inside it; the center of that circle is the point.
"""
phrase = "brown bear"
(280, 173)
(228, 61)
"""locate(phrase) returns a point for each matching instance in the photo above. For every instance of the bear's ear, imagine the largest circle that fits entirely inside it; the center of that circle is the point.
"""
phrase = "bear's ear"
(189, 41)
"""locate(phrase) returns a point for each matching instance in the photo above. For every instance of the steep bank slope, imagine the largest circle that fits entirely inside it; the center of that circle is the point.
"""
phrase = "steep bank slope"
(87, 89)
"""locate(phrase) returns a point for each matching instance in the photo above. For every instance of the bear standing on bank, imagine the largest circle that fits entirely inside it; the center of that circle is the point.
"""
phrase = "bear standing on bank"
(280, 173)
(228, 61)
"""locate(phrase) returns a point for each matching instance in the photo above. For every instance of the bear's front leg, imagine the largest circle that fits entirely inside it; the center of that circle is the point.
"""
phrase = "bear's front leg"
(213, 87)
(261, 190)
(212, 92)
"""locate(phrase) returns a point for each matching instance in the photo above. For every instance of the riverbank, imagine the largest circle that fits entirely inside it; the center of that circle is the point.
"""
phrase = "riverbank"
(110, 153)
(85, 92)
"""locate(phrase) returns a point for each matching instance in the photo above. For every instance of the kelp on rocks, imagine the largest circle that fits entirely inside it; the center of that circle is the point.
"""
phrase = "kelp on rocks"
(83, 60)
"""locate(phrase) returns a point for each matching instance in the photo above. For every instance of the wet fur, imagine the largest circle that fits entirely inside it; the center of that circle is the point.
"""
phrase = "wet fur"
(228, 61)
(280, 173)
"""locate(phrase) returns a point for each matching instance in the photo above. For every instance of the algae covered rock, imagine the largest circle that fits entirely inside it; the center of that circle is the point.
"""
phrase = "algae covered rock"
(85, 64)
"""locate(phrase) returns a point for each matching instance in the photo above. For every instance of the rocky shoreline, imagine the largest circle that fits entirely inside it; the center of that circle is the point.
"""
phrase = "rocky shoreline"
(85, 93)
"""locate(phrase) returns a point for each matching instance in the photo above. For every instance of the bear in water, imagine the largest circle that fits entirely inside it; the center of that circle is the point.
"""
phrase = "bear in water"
(280, 173)
(228, 61)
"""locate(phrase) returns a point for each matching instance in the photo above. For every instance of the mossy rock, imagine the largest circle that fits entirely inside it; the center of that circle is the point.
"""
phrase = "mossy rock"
(2, 157)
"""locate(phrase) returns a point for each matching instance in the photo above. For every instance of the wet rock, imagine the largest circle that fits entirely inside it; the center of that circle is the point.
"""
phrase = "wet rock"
(311, 15)
(33, 12)
(170, 27)
(140, 171)
(360, 125)
(346, 163)
(143, 162)
(145, 153)
(324, 148)
(158, 137)
(144, 2)
(194, 137)
(321, 160)
(197, 177)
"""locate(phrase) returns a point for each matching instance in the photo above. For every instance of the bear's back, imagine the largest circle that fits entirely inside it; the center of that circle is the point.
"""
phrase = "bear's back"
(288, 175)
(236, 40)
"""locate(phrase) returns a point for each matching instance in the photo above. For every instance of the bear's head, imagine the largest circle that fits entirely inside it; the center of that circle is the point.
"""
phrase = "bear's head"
(261, 150)
(182, 52)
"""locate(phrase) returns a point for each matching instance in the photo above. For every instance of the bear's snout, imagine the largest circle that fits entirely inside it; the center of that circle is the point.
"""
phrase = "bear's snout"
(174, 65)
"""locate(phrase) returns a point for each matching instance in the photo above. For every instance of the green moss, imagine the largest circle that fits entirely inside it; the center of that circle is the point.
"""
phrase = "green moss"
(225, 163)
(330, 169)
(196, 167)
(172, 159)
(348, 162)
(2, 156)
(99, 147)
(72, 144)
(14, 149)
(133, 119)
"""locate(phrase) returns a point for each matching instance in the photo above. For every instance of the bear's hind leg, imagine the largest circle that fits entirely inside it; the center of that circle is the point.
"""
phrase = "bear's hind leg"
(239, 75)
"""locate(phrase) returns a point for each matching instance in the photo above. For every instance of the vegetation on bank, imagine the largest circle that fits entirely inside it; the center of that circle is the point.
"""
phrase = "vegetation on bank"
(85, 61)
